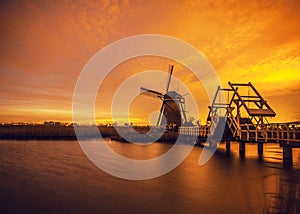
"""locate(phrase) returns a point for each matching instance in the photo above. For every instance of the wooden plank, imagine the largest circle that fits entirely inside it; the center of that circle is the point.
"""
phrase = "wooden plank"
(240, 84)
(249, 96)
(262, 112)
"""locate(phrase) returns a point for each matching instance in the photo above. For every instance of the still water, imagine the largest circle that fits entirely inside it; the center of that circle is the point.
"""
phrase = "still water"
(56, 177)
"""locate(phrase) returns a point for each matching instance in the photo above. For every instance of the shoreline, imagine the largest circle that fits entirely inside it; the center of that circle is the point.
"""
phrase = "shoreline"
(42, 132)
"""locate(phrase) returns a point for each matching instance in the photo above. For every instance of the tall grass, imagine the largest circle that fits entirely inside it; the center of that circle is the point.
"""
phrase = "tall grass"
(61, 131)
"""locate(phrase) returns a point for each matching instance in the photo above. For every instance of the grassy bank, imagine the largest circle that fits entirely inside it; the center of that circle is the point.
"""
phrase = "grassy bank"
(63, 132)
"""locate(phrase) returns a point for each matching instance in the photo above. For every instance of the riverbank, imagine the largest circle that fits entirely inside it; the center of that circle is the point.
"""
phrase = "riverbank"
(67, 132)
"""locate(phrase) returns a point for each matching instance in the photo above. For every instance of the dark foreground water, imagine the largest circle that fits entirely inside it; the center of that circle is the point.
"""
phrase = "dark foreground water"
(56, 177)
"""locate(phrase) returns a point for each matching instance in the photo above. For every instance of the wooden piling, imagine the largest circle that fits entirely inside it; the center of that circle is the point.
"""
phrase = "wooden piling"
(260, 148)
(242, 148)
(228, 144)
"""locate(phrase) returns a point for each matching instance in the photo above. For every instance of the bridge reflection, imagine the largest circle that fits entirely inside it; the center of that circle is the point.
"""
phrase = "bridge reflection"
(282, 192)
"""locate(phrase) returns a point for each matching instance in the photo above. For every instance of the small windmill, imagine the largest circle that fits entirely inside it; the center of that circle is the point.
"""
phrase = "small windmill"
(173, 104)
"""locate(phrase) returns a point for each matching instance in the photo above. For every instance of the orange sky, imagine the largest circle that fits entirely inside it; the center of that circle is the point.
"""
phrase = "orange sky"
(45, 44)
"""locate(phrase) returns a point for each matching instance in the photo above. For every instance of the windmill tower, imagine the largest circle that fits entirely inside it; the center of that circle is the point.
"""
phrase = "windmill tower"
(173, 104)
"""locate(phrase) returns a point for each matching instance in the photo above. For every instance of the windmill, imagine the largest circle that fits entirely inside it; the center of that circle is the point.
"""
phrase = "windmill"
(173, 104)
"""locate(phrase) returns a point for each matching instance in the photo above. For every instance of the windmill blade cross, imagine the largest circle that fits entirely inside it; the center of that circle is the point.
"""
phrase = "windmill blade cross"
(170, 76)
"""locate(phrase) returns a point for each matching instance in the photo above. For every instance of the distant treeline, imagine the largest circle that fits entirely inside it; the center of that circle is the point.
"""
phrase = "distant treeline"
(63, 131)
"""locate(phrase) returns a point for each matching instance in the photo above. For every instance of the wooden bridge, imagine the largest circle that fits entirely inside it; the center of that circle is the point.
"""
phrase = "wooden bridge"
(246, 115)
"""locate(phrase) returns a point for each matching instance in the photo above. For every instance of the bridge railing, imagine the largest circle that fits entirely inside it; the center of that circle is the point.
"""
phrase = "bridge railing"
(284, 133)
(202, 131)
(276, 132)
(232, 123)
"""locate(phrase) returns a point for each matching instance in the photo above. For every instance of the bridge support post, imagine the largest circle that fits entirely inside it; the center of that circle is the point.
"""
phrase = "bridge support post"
(287, 155)
(260, 148)
(228, 144)
(242, 148)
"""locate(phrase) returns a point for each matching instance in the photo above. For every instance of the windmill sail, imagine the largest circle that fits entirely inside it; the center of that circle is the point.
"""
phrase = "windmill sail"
(151, 93)
(162, 109)
(172, 104)
(170, 76)
(158, 123)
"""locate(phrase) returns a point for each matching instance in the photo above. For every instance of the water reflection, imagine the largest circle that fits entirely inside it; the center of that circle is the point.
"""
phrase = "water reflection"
(56, 177)
(281, 187)
(282, 194)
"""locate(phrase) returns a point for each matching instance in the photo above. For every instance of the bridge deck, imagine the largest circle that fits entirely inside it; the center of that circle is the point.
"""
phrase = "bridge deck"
(283, 133)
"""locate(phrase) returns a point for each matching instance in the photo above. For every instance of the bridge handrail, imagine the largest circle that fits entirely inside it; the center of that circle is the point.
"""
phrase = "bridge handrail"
(272, 133)
(233, 122)
(202, 130)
